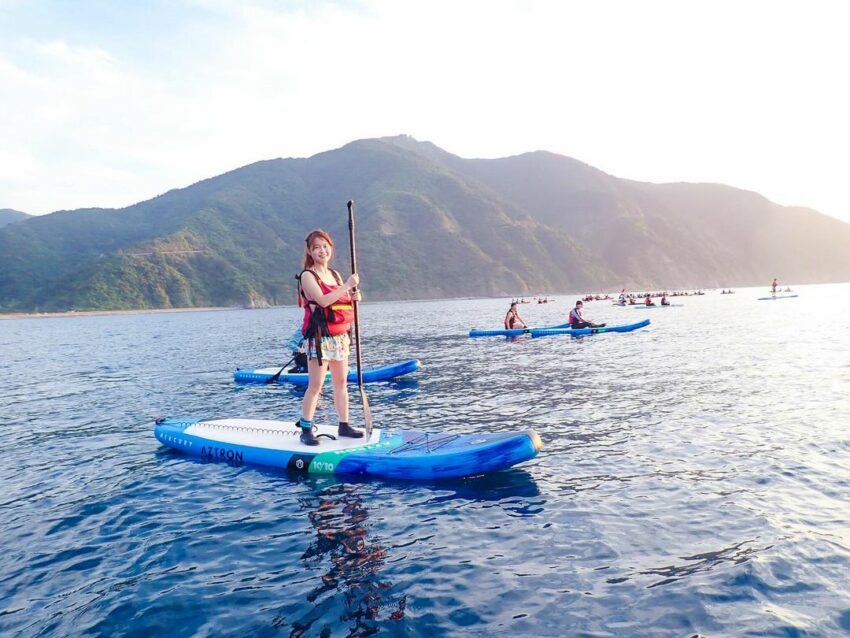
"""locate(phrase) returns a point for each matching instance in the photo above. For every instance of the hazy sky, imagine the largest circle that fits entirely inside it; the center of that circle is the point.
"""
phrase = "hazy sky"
(109, 102)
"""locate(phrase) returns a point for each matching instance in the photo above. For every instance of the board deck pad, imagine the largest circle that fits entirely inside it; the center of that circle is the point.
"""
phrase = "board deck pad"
(275, 435)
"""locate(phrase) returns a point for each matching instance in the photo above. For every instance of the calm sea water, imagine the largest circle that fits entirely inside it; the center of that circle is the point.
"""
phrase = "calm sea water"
(695, 478)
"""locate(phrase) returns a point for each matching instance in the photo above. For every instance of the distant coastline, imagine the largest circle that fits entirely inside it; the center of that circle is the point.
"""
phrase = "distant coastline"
(96, 313)
(562, 297)
(150, 311)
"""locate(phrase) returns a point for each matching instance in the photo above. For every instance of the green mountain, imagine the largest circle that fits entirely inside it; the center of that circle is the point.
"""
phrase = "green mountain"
(665, 235)
(9, 216)
(429, 224)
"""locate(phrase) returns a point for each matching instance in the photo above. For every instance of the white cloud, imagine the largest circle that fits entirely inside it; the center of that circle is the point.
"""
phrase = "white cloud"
(18, 164)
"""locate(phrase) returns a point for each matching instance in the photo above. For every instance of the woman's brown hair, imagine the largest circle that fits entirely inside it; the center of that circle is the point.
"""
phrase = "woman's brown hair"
(314, 234)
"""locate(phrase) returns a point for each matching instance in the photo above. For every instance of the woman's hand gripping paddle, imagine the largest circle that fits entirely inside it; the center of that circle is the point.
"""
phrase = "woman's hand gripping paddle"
(367, 413)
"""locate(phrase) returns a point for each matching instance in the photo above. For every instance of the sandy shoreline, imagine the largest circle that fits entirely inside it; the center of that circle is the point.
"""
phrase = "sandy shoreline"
(96, 313)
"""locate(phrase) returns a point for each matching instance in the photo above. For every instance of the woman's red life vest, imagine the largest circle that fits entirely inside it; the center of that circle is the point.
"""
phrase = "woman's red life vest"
(574, 316)
(338, 315)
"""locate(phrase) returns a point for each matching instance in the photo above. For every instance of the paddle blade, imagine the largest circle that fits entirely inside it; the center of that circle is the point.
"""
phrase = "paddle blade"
(367, 413)
(276, 376)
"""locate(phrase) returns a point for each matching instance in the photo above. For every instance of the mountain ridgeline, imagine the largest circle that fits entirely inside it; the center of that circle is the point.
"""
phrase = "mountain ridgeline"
(10, 216)
(429, 223)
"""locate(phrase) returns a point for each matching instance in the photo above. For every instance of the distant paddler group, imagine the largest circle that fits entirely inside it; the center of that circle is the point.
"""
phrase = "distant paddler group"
(514, 325)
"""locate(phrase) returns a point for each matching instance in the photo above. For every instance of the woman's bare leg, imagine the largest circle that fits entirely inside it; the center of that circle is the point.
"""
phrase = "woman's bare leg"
(339, 376)
(314, 388)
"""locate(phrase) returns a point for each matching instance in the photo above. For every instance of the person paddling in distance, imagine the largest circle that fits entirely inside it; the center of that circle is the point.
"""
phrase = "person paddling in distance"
(328, 314)
(577, 321)
(648, 301)
(512, 319)
(773, 286)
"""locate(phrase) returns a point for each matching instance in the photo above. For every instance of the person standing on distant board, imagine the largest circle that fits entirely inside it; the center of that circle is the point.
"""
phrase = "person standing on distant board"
(512, 319)
(577, 321)
(328, 313)
(774, 285)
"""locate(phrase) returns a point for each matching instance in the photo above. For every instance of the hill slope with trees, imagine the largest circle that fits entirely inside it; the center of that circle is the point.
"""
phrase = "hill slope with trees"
(430, 224)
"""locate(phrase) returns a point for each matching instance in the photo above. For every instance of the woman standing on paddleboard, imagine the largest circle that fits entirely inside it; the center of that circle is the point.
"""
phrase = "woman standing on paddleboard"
(328, 314)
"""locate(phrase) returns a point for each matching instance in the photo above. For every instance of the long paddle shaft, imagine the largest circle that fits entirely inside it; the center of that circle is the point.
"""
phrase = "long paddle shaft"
(367, 413)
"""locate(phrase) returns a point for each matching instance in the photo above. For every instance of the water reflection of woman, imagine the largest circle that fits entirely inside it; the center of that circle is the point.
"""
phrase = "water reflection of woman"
(340, 518)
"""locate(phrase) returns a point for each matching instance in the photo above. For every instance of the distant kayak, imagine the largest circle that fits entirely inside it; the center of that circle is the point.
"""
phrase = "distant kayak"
(669, 305)
(407, 454)
(516, 332)
(777, 297)
(384, 373)
(578, 332)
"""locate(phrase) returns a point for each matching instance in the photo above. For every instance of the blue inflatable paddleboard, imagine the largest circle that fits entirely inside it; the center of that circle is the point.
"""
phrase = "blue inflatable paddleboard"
(406, 454)
(515, 332)
(384, 373)
(578, 332)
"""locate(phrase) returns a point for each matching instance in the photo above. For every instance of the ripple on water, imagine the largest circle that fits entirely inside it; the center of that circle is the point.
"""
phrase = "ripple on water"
(693, 479)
